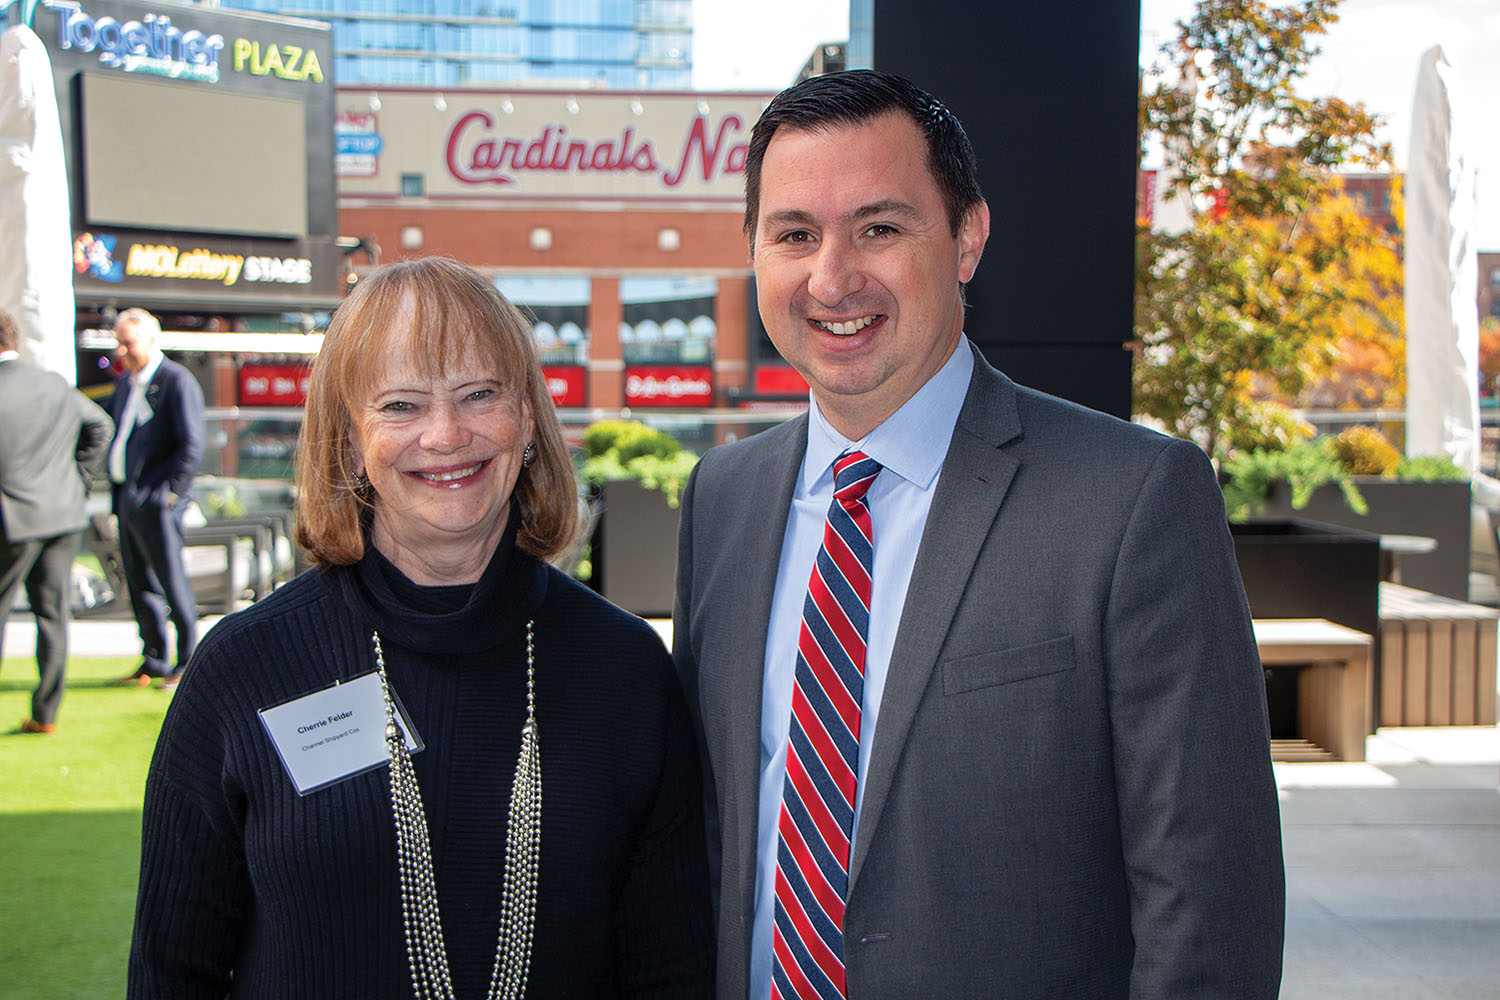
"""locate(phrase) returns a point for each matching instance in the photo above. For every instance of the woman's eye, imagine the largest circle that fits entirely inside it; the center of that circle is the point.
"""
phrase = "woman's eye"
(395, 406)
(479, 394)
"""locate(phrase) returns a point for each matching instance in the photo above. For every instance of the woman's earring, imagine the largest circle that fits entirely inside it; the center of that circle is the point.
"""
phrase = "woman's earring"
(529, 455)
(361, 482)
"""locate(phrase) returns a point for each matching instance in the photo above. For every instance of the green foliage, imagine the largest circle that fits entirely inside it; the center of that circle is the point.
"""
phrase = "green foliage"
(1430, 469)
(1364, 451)
(1270, 426)
(1304, 466)
(629, 450)
(222, 502)
(627, 439)
(1255, 294)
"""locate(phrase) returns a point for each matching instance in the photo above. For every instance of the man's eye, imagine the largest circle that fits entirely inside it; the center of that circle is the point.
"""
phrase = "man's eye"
(796, 236)
(881, 229)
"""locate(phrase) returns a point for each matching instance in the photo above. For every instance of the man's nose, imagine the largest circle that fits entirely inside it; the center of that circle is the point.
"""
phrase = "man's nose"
(835, 274)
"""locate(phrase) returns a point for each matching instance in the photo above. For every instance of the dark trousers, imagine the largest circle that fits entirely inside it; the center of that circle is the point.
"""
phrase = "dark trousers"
(45, 566)
(157, 578)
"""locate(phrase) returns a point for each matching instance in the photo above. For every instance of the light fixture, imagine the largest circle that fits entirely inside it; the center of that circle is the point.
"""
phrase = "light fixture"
(440, 103)
(411, 237)
(374, 101)
(668, 240)
(507, 107)
(572, 105)
(541, 238)
(636, 107)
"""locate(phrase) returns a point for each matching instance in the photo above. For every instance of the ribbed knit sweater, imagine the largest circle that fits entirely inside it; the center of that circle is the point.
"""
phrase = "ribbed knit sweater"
(250, 890)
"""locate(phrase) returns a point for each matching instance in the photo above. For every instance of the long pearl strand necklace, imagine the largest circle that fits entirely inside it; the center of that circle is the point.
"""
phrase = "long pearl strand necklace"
(425, 950)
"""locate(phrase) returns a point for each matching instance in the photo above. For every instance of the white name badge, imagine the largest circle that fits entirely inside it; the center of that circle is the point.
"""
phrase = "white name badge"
(335, 733)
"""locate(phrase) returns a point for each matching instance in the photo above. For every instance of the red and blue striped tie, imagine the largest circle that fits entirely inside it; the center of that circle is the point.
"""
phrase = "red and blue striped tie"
(822, 757)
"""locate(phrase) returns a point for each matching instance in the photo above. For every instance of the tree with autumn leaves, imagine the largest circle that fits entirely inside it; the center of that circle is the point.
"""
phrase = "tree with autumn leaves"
(1272, 282)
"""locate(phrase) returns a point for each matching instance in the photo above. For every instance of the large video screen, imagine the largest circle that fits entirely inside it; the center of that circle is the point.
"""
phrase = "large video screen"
(164, 155)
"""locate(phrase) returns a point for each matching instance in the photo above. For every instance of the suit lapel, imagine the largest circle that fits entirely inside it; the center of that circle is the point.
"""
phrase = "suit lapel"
(771, 479)
(976, 475)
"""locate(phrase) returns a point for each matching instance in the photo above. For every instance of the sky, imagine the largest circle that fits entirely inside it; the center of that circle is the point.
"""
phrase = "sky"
(1371, 56)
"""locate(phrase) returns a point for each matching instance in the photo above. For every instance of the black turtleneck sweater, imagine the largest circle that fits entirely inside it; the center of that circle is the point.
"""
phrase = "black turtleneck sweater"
(250, 890)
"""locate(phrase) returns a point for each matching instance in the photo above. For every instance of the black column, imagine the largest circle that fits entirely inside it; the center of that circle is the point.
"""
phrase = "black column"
(1047, 93)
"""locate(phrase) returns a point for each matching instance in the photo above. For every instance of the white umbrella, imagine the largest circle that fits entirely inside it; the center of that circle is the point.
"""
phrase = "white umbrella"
(36, 256)
(1442, 321)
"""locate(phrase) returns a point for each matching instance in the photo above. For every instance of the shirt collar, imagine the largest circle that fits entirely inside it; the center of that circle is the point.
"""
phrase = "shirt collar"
(9, 355)
(145, 375)
(912, 442)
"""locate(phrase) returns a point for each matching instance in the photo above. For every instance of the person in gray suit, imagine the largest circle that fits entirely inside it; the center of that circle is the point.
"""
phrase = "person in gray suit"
(1019, 749)
(51, 436)
(157, 407)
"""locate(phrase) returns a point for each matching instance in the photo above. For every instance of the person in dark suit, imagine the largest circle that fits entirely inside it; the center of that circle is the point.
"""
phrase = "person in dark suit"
(973, 670)
(157, 407)
(50, 437)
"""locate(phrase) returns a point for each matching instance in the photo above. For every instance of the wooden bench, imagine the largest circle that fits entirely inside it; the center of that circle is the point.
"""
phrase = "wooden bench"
(1437, 660)
(1333, 685)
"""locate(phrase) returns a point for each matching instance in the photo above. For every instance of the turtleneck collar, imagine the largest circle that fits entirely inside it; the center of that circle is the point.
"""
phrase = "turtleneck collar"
(449, 620)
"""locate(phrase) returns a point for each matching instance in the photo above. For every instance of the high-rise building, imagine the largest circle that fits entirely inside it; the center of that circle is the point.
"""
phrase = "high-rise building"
(632, 44)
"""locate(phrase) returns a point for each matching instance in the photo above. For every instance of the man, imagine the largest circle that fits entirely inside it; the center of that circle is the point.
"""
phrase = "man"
(1021, 749)
(50, 436)
(157, 407)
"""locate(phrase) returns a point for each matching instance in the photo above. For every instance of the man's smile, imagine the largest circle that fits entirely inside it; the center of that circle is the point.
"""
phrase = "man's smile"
(847, 328)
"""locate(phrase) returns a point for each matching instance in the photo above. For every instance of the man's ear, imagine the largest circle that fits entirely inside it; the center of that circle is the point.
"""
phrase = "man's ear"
(972, 235)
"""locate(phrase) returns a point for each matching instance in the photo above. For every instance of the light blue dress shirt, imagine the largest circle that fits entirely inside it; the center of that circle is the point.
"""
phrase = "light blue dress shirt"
(910, 445)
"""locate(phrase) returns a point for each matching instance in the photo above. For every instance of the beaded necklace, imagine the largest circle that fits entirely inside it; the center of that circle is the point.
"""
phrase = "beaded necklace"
(425, 950)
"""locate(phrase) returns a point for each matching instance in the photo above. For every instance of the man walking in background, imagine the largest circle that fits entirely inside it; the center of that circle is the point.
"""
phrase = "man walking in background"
(157, 407)
(50, 437)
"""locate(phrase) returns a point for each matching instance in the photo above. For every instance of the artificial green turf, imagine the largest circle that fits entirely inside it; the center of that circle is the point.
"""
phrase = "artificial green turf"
(70, 829)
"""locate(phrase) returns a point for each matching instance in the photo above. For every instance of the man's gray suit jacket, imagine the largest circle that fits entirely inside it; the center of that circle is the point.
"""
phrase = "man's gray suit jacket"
(50, 435)
(1070, 790)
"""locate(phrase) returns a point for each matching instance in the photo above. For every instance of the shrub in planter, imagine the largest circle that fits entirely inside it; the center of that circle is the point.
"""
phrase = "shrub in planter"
(1249, 477)
(636, 475)
(628, 450)
(1322, 480)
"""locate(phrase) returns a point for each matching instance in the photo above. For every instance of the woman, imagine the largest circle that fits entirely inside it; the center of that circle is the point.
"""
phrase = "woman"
(282, 856)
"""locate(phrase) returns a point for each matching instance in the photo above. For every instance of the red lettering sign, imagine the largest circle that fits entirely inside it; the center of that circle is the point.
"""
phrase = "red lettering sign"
(567, 384)
(273, 385)
(477, 152)
(669, 385)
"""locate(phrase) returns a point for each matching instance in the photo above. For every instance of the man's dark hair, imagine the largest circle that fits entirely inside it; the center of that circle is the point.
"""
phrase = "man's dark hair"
(10, 333)
(842, 100)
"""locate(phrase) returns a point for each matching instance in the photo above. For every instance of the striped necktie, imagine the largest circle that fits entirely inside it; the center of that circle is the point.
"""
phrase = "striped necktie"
(822, 757)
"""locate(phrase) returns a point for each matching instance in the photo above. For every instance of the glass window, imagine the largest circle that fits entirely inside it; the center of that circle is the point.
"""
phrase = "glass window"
(413, 185)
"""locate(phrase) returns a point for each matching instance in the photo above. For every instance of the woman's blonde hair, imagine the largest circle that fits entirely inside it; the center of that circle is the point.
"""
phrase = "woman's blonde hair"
(456, 313)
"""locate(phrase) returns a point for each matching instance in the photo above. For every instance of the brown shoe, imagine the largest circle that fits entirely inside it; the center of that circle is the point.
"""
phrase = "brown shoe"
(139, 679)
(33, 726)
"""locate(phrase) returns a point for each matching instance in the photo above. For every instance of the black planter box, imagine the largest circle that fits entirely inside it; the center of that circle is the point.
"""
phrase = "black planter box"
(1433, 510)
(634, 550)
(1293, 568)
